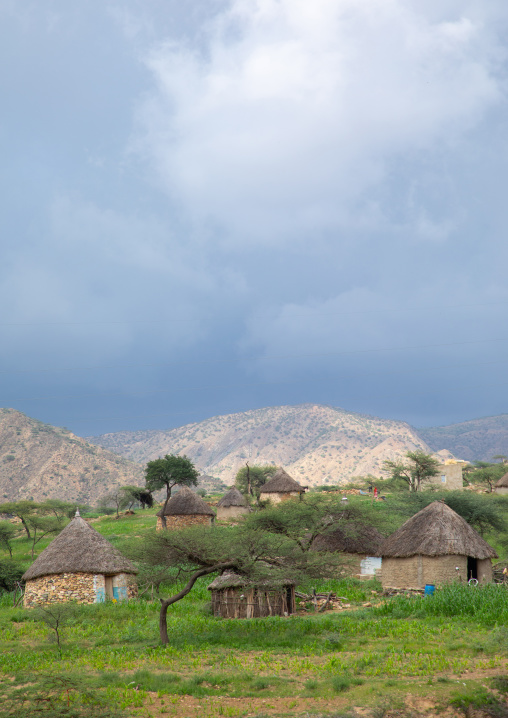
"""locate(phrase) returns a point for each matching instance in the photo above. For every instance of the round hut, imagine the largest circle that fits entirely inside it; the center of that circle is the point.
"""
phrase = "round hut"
(435, 546)
(235, 596)
(501, 486)
(281, 487)
(359, 545)
(185, 508)
(79, 565)
(232, 505)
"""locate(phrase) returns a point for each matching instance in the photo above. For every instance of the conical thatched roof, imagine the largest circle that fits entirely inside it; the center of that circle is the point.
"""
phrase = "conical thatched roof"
(502, 483)
(79, 548)
(352, 538)
(436, 530)
(185, 503)
(230, 579)
(232, 498)
(281, 483)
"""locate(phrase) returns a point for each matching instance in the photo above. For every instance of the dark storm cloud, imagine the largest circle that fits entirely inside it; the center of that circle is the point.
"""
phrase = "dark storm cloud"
(251, 203)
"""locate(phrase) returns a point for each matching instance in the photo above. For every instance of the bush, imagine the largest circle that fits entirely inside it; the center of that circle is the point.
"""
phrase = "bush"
(10, 573)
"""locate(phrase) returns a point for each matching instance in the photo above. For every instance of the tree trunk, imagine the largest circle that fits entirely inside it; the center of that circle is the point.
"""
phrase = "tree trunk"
(165, 604)
(25, 527)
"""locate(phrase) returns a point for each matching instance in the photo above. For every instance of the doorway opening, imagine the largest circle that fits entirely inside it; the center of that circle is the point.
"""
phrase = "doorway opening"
(472, 568)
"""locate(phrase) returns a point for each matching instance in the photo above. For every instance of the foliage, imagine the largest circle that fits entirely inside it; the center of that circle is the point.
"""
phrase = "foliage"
(7, 531)
(418, 468)
(137, 495)
(254, 476)
(42, 526)
(55, 616)
(10, 574)
(168, 472)
(485, 474)
(29, 512)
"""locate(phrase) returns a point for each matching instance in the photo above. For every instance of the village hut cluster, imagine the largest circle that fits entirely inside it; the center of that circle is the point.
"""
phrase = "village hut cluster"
(436, 546)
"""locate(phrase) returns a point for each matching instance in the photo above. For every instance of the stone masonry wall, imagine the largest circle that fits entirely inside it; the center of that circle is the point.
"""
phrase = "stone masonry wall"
(180, 522)
(58, 588)
(449, 477)
(416, 571)
(277, 498)
(231, 512)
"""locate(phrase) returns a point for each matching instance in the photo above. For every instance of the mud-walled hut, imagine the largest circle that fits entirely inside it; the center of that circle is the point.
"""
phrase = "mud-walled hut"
(235, 596)
(435, 546)
(501, 486)
(281, 487)
(232, 505)
(185, 508)
(79, 565)
(358, 543)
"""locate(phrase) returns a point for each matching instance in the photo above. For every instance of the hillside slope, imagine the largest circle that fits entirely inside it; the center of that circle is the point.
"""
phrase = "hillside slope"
(39, 461)
(475, 440)
(316, 444)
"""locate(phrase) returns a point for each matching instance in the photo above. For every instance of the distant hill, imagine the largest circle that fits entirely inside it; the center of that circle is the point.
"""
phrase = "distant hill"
(475, 440)
(316, 444)
(39, 461)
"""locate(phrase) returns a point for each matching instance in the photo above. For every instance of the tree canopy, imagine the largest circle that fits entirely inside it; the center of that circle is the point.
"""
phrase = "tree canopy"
(168, 472)
(414, 472)
(249, 479)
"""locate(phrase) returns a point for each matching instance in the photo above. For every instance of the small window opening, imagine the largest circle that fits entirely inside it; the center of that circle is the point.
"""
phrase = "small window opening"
(443, 478)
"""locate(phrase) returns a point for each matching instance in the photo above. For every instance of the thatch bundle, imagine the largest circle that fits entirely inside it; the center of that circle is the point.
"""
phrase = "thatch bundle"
(232, 498)
(354, 537)
(186, 503)
(281, 483)
(79, 548)
(502, 483)
(436, 530)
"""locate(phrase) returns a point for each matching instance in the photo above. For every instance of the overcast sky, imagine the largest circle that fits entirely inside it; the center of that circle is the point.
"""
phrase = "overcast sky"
(214, 206)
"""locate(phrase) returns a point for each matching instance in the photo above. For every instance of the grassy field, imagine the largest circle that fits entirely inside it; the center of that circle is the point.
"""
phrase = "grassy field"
(399, 656)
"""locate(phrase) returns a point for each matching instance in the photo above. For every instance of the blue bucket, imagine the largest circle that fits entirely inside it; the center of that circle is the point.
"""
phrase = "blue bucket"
(430, 589)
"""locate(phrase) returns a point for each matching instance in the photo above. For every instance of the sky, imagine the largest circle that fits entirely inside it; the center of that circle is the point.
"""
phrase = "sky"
(216, 206)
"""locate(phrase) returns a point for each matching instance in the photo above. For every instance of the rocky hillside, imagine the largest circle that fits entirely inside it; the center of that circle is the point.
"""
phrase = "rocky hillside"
(316, 444)
(38, 461)
(475, 440)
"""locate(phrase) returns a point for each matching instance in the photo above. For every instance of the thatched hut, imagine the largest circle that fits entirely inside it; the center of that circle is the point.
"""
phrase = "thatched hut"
(281, 487)
(501, 486)
(235, 596)
(359, 545)
(79, 565)
(232, 505)
(435, 546)
(185, 508)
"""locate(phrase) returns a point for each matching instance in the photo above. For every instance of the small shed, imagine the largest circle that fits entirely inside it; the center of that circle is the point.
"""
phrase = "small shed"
(435, 546)
(79, 565)
(358, 543)
(501, 486)
(236, 596)
(183, 509)
(281, 487)
(232, 505)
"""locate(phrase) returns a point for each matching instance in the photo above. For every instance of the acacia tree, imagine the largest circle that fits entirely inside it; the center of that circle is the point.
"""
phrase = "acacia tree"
(7, 531)
(418, 468)
(168, 472)
(486, 474)
(256, 554)
(250, 479)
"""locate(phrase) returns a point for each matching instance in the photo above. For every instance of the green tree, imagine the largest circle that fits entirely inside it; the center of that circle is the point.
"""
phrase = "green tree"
(168, 472)
(256, 554)
(118, 499)
(249, 479)
(418, 468)
(21, 509)
(7, 531)
(485, 474)
(42, 526)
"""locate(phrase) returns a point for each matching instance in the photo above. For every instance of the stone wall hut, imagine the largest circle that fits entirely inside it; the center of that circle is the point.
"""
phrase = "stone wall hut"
(185, 508)
(232, 505)
(435, 546)
(79, 565)
(359, 545)
(501, 486)
(235, 596)
(280, 487)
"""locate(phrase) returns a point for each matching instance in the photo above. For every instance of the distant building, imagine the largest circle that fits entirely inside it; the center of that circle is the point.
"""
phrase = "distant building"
(79, 565)
(232, 505)
(449, 476)
(185, 508)
(281, 487)
(435, 546)
(501, 486)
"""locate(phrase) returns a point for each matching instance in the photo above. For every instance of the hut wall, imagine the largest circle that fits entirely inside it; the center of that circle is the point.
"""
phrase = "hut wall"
(253, 602)
(502, 490)
(231, 512)
(416, 571)
(277, 498)
(58, 588)
(485, 573)
(184, 520)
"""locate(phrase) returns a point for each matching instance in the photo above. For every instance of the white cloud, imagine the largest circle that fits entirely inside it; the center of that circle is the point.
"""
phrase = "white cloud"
(294, 111)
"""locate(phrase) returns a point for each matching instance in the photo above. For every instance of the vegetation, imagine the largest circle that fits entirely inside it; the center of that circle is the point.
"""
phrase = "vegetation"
(168, 472)
(418, 468)
(250, 479)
